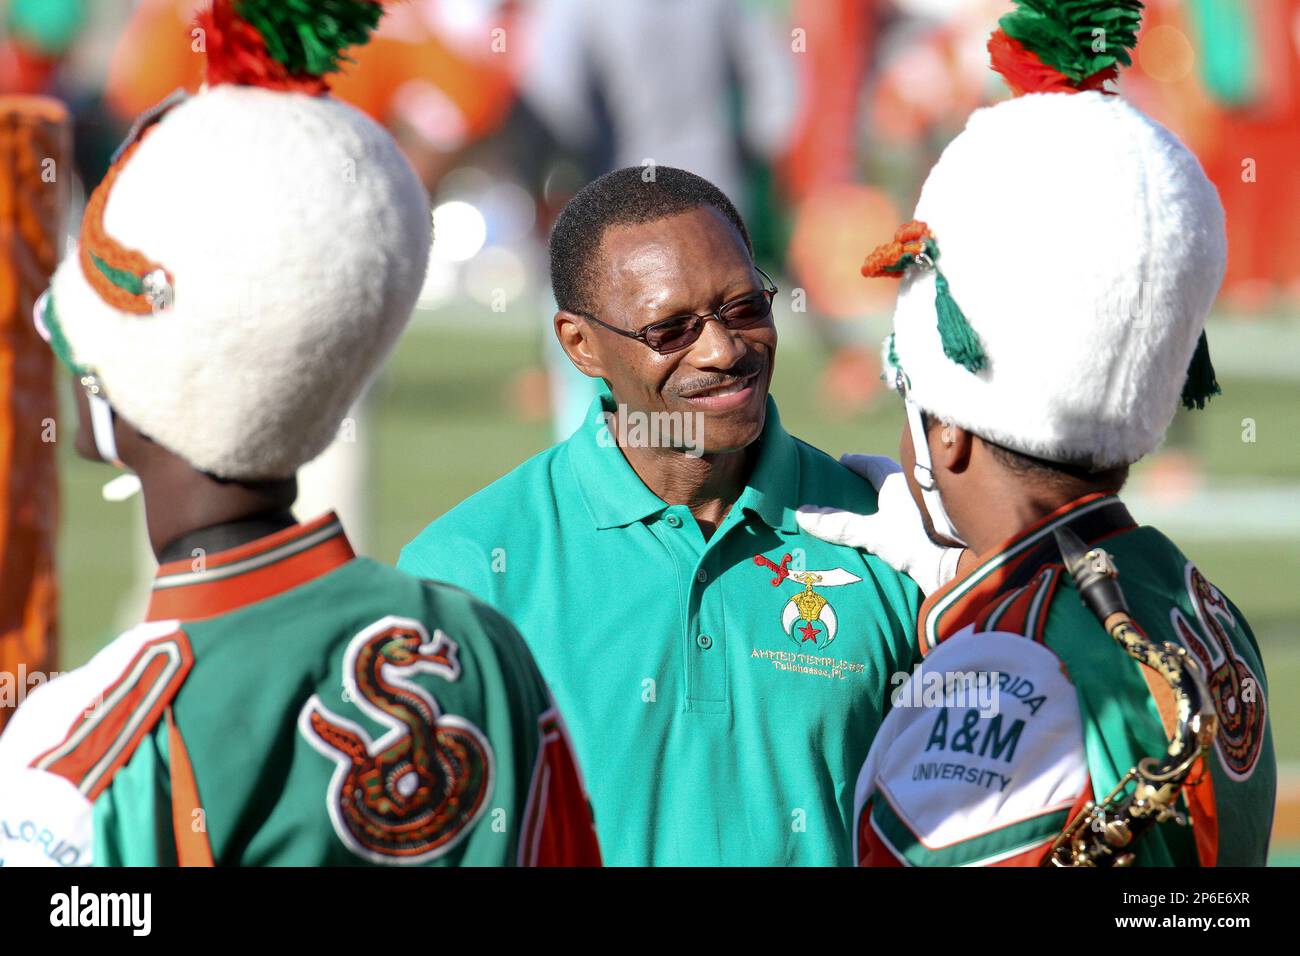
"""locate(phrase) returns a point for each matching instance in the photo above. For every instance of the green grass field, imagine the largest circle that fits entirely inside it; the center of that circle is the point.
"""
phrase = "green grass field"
(440, 428)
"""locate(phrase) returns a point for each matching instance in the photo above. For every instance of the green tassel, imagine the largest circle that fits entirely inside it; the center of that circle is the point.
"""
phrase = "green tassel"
(1064, 34)
(309, 36)
(959, 340)
(1201, 384)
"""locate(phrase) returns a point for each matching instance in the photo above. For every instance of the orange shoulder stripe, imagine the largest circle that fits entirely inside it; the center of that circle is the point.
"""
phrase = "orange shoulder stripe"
(192, 845)
(103, 739)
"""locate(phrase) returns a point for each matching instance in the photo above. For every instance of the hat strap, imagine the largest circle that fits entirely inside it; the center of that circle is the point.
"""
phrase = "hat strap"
(923, 472)
(101, 426)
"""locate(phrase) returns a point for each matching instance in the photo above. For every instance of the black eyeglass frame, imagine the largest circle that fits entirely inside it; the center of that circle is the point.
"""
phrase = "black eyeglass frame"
(641, 334)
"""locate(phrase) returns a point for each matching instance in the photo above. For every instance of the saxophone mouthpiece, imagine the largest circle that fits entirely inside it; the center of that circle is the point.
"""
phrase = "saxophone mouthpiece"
(1094, 573)
(1073, 550)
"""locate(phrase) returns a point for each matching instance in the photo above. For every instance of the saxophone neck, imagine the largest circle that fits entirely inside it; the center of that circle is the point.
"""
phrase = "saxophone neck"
(1104, 834)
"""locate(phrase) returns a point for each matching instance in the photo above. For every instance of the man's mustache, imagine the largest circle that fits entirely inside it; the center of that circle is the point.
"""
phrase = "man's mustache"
(751, 364)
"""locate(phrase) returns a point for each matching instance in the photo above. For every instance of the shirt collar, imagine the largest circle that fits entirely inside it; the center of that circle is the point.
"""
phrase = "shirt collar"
(236, 577)
(1093, 518)
(615, 496)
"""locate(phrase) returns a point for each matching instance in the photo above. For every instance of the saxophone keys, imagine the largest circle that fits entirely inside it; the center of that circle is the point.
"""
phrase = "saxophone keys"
(1169, 813)
(1116, 833)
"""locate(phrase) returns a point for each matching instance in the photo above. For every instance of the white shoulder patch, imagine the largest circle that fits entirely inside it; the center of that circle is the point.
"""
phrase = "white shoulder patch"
(983, 738)
(44, 821)
(51, 709)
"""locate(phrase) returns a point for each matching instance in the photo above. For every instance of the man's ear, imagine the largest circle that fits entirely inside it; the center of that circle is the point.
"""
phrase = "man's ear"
(574, 333)
(950, 446)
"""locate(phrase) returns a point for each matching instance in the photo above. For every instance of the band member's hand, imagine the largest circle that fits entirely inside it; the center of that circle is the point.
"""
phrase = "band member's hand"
(894, 533)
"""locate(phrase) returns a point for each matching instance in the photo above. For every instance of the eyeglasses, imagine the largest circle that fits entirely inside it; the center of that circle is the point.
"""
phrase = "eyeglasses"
(672, 335)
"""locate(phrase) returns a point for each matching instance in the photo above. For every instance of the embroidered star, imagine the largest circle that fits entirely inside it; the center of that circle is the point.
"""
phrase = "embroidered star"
(810, 632)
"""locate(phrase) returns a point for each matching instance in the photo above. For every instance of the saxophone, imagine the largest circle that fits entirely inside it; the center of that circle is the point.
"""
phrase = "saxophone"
(1104, 833)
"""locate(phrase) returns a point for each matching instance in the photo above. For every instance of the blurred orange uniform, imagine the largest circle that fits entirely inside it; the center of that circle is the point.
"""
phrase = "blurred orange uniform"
(34, 142)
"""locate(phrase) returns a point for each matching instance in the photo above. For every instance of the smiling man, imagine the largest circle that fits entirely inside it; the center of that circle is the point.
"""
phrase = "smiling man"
(722, 672)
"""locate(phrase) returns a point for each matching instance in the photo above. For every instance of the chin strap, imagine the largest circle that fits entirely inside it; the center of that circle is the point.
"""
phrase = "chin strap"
(101, 426)
(923, 471)
(101, 413)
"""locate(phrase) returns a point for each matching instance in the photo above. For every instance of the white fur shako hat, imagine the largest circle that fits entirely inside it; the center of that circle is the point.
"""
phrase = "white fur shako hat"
(1064, 254)
(252, 254)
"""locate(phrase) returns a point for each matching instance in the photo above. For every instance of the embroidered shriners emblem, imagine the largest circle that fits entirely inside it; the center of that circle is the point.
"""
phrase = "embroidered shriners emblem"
(808, 617)
(414, 793)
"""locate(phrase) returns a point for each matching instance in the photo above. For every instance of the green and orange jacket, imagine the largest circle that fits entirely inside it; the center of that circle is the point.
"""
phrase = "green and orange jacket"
(288, 703)
(1023, 709)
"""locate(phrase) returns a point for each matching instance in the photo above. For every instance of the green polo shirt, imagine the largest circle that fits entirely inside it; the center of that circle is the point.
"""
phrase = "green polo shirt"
(721, 694)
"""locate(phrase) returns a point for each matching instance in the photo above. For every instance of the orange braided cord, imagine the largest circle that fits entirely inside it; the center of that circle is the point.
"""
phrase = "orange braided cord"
(909, 240)
(97, 242)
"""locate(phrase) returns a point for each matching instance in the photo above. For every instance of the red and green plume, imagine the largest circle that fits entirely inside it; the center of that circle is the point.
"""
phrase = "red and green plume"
(1064, 46)
(288, 45)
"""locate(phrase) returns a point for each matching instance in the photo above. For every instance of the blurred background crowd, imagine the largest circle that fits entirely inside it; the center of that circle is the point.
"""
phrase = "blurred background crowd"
(820, 118)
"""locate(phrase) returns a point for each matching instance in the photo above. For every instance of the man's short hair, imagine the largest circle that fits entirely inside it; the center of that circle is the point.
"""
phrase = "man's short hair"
(1042, 471)
(624, 197)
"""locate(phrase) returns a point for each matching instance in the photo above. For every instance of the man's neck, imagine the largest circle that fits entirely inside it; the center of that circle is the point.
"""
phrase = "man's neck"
(187, 509)
(708, 484)
(1009, 510)
(222, 537)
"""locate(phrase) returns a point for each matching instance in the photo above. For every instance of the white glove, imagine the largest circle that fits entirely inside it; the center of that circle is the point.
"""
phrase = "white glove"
(895, 533)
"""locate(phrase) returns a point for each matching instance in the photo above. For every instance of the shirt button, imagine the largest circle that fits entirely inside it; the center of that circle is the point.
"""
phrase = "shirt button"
(673, 521)
(701, 575)
(704, 641)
